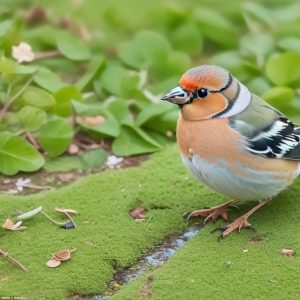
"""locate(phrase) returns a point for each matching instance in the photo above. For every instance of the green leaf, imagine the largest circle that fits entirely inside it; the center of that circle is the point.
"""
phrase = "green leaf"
(164, 122)
(36, 97)
(93, 158)
(63, 98)
(63, 164)
(216, 27)
(94, 69)
(72, 48)
(145, 50)
(110, 126)
(32, 118)
(257, 45)
(188, 38)
(16, 154)
(133, 141)
(289, 44)
(87, 160)
(112, 79)
(284, 68)
(4, 27)
(119, 109)
(152, 111)
(55, 136)
(86, 109)
(280, 97)
(47, 80)
(259, 85)
(259, 12)
(29, 214)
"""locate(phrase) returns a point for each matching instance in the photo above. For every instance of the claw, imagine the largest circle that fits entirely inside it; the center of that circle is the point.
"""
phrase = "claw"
(220, 237)
(252, 228)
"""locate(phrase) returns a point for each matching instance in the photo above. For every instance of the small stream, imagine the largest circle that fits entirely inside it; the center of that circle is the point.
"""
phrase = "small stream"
(154, 259)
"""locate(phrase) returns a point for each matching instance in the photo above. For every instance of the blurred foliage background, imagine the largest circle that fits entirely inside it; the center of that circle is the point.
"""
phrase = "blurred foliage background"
(96, 71)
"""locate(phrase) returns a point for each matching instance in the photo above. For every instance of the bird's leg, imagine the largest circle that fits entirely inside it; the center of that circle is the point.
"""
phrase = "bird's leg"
(241, 222)
(212, 213)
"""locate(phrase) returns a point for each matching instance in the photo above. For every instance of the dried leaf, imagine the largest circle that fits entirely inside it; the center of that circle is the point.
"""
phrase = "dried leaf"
(73, 149)
(23, 53)
(287, 252)
(93, 120)
(53, 263)
(137, 213)
(37, 187)
(66, 210)
(66, 177)
(62, 255)
(9, 225)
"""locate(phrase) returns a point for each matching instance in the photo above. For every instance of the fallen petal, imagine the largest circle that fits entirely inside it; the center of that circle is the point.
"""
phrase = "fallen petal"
(53, 263)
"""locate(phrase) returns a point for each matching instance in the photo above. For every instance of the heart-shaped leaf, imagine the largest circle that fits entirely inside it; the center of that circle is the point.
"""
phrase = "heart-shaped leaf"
(16, 154)
(31, 117)
(284, 68)
(55, 136)
(72, 48)
(133, 140)
(64, 98)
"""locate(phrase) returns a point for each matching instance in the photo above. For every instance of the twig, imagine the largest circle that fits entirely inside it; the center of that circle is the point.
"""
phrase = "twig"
(46, 55)
(12, 259)
(32, 140)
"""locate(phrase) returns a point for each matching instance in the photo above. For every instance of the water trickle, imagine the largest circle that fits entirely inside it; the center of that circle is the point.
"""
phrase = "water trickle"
(154, 259)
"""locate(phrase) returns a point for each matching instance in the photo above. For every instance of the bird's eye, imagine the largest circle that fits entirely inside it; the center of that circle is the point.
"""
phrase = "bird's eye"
(202, 92)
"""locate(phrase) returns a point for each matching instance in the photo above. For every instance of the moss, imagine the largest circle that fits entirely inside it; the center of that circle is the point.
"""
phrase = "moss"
(207, 269)
(107, 235)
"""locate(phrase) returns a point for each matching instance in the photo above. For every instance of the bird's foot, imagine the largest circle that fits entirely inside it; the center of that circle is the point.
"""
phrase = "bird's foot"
(212, 213)
(237, 224)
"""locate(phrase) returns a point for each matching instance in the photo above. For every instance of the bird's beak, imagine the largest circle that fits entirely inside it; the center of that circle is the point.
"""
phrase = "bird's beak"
(177, 96)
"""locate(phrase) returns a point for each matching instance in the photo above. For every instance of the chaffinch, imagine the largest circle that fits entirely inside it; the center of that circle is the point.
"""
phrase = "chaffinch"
(233, 141)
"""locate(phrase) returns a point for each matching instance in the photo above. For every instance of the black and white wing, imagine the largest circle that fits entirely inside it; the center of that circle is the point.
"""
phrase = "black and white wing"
(268, 132)
(280, 140)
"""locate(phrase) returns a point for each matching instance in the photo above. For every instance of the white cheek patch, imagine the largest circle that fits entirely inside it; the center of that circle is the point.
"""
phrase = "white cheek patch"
(240, 104)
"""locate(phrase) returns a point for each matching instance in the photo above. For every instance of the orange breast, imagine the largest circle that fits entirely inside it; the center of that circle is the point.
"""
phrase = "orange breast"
(214, 141)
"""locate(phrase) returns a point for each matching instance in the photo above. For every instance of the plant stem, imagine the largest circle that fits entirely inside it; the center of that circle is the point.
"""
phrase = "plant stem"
(52, 220)
(12, 259)
(70, 218)
(9, 102)
(46, 55)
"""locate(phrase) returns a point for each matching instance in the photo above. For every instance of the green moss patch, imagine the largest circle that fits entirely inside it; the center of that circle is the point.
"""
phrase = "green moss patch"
(242, 266)
(106, 236)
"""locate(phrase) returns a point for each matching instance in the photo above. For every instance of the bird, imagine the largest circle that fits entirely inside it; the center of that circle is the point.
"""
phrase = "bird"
(233, 142)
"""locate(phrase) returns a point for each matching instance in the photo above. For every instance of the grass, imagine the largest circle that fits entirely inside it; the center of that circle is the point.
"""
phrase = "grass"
(106, 236)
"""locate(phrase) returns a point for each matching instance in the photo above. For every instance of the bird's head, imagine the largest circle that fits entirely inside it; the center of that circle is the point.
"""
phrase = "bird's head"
(209, 91)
